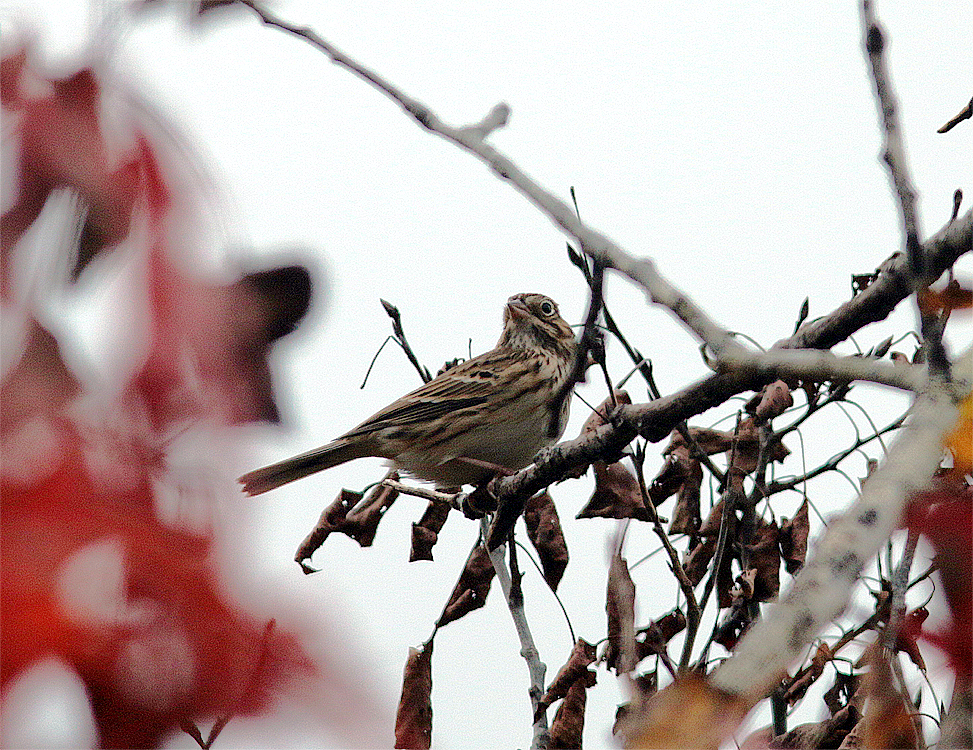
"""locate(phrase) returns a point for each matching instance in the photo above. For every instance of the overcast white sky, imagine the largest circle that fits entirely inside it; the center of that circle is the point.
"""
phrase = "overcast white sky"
(736, 144)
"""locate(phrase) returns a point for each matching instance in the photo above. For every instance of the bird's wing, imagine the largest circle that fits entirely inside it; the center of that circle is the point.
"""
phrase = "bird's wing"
(470, 383)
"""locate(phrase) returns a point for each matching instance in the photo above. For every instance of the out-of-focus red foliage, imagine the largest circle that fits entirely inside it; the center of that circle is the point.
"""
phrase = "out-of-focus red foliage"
(88, 571)
(944, 515)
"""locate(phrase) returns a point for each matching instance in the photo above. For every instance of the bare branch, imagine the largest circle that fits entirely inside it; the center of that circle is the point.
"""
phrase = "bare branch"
(472, 138)
(821, 590)
(821, 366)
(528, 650)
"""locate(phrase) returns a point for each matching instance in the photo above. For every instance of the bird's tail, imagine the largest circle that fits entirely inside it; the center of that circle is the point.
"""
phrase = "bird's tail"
(273, 476)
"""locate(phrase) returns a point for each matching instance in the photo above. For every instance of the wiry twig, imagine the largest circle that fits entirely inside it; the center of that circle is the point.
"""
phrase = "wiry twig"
(693, 611)
(833, 462)
(588, 341)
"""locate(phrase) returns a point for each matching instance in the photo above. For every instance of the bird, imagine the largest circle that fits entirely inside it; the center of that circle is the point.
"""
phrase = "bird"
(489, 414)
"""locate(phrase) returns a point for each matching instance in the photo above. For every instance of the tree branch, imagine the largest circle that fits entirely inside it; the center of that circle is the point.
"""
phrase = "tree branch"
(528, 650)
(821, 590)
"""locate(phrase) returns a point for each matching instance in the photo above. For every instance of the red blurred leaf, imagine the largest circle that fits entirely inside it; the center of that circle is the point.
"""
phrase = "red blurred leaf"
(413, 719)
(62, 145)
(425, 532)
(620, 606)
(40, 383)
(210, 343)
(544, 532)
(169, 647)
(944, 514)
(470, 591)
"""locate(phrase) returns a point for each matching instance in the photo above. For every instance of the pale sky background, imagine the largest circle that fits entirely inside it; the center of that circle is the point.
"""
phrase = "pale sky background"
(736, 144)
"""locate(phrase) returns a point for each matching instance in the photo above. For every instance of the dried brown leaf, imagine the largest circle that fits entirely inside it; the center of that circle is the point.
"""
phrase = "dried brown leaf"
(620, 606)
(599, 416)
(686, 518)
(575, 669)
(774, 400)
(413, 719)
(734, 624)
(764, 556)
(809, 675)
(425, 532)
(672, 476)
(793, 539)
(653, 638)
(616, 495)
(697, 561)
(470, 591)
(332, 519)
(568, 725)
(544, 532)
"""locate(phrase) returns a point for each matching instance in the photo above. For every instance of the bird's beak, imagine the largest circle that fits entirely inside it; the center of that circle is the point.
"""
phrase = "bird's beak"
(517, 309)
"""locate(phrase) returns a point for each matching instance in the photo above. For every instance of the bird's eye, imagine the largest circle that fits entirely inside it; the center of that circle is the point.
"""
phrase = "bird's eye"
(547, 307)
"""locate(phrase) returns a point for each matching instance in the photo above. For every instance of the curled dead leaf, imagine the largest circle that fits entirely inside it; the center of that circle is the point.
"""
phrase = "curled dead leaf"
(685, 517)
(568, 725)
(353, 514)
(774, 400)
(793, 539)
(413, 719)
(544, 532)
(616, 495)
(574, 670)
(472, 587)
(620, 606)
(425, 532)
(654, 638)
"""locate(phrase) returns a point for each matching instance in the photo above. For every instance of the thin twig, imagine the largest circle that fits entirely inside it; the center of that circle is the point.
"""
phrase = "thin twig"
(964, 114)
(396, 316)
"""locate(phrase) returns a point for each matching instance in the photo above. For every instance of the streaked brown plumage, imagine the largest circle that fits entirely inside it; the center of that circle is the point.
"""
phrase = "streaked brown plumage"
(495, 409)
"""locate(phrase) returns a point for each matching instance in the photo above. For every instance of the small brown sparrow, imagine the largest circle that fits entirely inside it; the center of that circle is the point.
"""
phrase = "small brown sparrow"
(493, 411)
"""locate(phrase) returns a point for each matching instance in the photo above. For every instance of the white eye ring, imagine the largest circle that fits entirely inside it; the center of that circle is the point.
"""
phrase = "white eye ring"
(547, 308)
